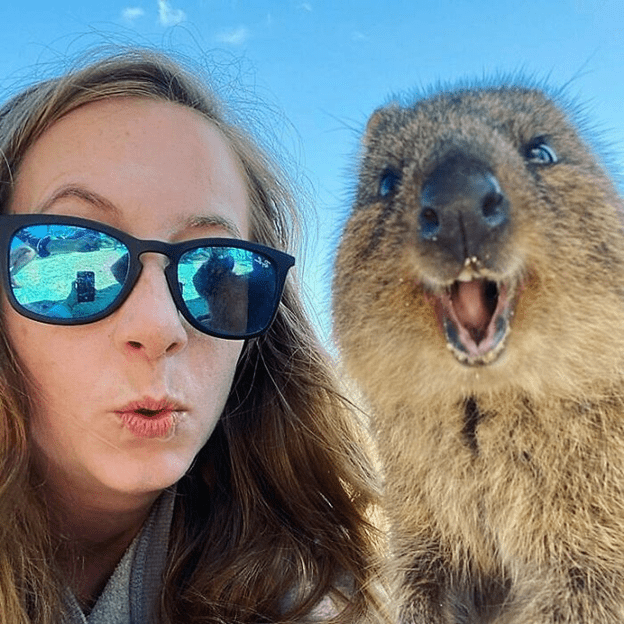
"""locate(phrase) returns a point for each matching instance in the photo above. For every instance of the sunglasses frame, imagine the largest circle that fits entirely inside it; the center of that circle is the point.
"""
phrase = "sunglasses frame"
(11, 223)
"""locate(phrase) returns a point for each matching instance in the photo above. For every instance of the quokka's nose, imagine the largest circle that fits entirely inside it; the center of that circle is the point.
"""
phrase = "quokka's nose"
(462, 207)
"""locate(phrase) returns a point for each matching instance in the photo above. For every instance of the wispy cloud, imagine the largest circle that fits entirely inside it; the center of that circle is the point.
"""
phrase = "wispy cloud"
(306, 6)
(129, 14)
(236, 36)
(167, 15)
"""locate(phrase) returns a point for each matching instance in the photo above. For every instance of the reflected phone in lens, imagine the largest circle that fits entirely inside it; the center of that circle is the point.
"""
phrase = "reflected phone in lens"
(85, 286)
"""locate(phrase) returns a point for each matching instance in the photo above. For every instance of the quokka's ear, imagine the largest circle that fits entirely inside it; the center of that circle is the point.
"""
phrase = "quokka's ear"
(381, 119)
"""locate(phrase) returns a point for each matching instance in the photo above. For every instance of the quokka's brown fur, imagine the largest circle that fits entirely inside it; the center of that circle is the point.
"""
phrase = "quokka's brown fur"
(479, 305)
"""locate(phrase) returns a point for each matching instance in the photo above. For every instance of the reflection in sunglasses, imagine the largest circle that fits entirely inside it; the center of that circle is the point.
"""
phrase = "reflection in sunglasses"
(216, 284)
(74, 272)
(71, 285)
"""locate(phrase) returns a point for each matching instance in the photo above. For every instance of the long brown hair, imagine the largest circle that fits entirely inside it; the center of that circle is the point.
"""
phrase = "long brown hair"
(273, 514)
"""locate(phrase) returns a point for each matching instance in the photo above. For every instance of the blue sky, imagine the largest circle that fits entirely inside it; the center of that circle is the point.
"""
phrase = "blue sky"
(325, 65)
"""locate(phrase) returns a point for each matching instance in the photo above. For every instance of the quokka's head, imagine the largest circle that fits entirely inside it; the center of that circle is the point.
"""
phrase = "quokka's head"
(484, 247)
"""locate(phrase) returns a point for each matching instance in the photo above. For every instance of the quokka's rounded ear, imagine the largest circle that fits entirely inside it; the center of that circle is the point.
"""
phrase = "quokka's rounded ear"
(379, 120)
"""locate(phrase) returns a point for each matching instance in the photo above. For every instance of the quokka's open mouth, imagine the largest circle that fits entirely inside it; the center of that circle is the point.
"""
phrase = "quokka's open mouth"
(474, 316)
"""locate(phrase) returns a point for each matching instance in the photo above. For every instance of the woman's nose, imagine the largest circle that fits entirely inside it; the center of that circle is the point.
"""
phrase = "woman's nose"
(148, 321)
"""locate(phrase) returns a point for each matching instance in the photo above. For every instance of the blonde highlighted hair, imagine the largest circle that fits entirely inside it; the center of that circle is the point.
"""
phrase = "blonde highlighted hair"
(272, 517)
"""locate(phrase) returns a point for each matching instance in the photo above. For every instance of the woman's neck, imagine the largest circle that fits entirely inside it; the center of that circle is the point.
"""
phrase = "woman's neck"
(91, 545)
(92, 531)
(87, 566)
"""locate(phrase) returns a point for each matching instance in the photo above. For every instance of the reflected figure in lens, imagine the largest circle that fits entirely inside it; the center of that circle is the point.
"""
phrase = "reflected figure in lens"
(225, 293)
(19, 258)
(44, 246)
(119, 268)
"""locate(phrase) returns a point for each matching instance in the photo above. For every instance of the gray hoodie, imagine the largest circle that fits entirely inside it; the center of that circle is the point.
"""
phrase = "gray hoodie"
(132, 592)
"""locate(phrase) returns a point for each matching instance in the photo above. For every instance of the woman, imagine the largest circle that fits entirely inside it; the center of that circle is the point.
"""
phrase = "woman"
(162, 463)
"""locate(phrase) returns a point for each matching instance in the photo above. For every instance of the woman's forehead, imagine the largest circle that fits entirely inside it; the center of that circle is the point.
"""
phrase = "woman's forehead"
(139, 154)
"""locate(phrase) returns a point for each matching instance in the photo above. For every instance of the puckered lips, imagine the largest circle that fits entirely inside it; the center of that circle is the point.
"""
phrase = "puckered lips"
(151, 418)
(474, 315)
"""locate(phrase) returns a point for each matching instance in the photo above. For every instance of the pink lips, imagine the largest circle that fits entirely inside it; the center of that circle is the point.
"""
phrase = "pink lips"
(150, 418)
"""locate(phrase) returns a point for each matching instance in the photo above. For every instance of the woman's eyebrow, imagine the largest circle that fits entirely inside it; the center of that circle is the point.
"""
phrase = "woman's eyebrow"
(100, 202)
(211, 221)
(80, 192)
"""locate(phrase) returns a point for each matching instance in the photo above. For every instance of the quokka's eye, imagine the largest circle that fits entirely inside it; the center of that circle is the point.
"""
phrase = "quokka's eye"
(538, 151)
(388, 182)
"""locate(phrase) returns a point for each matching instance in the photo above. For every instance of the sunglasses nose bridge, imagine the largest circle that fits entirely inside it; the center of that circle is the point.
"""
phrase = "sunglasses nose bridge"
(165, 258)
(157, 260)
(155, 247)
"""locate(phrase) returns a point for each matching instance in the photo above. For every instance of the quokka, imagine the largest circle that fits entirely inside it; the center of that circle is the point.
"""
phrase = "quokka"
(479, 305)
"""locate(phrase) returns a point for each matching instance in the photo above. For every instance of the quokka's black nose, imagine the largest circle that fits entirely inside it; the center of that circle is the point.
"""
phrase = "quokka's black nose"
(462, 207)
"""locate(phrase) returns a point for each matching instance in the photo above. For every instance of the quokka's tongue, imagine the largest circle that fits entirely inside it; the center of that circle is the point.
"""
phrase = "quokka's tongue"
(472, 307)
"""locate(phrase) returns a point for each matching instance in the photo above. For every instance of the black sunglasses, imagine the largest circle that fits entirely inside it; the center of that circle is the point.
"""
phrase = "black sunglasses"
(70, 271)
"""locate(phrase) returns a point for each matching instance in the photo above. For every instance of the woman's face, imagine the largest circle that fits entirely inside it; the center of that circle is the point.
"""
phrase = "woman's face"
(157, 171)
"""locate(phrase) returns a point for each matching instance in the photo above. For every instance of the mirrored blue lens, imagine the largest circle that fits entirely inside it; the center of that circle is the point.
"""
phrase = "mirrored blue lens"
(227, 289)
(68, 272)
(77, 273)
